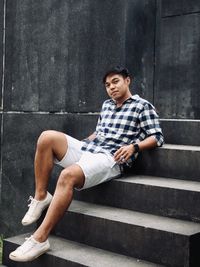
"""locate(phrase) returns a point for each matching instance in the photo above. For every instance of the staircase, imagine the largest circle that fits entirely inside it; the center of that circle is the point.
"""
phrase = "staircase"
(148, 218)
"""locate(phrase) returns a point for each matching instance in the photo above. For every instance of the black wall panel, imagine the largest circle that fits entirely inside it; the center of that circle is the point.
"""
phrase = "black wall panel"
(1, 47)
(58, 51)
(177, 92)
(140, 45)
(179, 7)
(0, 161)
(96, 42)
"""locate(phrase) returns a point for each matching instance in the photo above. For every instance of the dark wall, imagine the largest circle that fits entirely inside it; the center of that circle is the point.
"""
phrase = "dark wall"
(1, 47)
(177, 93)
(1, 77)
(179, 7)
(57, 51)
(140, 45)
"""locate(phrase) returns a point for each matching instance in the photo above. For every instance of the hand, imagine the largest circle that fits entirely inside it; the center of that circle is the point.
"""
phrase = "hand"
(124, 153)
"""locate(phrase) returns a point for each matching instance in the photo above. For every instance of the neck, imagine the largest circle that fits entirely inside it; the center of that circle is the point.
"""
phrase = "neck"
(119, 102)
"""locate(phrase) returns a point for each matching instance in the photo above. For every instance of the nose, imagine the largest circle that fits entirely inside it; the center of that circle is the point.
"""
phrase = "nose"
(112, 86)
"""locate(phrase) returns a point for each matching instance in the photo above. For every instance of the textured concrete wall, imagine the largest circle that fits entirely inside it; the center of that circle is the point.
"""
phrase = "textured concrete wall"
(177, 93)
(1, 46)
(140, 45)
(57, 51)
(1, 77)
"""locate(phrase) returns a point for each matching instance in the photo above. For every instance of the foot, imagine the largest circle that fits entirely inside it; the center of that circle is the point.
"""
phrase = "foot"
(29, 250)
(36, 208)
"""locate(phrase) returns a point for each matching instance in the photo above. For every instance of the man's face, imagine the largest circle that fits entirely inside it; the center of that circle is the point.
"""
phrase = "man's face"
(117, 86)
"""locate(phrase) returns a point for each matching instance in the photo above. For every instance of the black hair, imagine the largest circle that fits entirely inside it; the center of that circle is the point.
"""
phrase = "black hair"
(117, 70)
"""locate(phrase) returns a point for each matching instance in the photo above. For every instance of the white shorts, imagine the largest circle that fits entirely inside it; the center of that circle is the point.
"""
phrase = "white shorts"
(97, 167)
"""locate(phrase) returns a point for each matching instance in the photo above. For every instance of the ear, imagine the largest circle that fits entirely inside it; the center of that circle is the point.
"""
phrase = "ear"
(128, 80)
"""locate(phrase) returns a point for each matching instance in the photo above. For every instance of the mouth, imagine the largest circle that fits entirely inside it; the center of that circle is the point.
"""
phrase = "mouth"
(114, 93)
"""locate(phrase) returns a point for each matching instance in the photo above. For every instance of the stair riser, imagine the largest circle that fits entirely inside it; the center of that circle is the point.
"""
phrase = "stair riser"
(45, 260)
(127, 239)
(170, 202)
(171, 163)
(181, 132)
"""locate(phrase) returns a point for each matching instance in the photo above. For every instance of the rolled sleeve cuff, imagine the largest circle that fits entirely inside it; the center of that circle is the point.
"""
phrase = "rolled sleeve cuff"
(159, 139)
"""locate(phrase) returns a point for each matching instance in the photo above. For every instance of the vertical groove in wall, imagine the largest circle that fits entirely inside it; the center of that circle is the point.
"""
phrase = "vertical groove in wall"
(154, 52)
(3, 57)
(125, 32)
(2, 88)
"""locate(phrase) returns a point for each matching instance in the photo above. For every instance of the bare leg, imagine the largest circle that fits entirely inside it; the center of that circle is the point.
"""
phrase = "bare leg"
(69, 178)
(50, 144)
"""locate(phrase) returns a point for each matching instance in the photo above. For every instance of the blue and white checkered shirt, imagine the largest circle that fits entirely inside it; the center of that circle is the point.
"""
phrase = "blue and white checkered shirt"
(135, 120)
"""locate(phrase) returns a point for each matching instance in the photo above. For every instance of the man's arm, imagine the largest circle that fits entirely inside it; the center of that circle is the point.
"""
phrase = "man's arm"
(125, 152)
(91, 137)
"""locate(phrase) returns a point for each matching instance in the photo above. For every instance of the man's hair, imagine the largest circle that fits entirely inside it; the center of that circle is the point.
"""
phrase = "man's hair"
(117, 70)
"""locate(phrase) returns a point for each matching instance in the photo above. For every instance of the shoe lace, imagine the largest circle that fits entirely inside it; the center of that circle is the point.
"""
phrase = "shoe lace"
(27, 245)
(32, 204)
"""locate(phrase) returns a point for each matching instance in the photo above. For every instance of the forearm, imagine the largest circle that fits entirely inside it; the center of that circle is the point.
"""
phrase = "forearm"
(125, 152)
(91, 137)
(148, 143)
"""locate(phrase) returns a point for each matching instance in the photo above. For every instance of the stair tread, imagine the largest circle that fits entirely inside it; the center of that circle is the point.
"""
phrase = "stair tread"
(180, 147)
(135, 218)
(181, 120)
(161, 182)
(86, 255)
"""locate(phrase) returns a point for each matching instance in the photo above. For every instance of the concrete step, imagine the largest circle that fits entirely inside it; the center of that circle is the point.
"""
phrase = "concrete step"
(173, 161)
(156, 195)
(65, 253)
(157, 239)
(181, 131)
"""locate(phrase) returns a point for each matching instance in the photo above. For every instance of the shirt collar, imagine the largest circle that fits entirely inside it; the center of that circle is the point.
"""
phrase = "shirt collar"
(129, 100)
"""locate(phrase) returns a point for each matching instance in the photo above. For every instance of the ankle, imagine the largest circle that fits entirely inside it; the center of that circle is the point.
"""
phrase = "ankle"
(40, 195)
(40, 238)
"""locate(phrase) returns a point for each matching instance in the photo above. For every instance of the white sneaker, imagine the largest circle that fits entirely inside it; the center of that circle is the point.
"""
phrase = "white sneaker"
(36, 208)
(29, 250)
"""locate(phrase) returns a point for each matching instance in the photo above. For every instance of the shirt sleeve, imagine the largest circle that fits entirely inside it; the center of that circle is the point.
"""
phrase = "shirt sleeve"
(98, 126)
(149, 122)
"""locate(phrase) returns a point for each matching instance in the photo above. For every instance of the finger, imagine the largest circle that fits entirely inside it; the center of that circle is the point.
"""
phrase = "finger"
(127, 157)
(122, 152)
(122, 157)
(118, 157)
(118, 151)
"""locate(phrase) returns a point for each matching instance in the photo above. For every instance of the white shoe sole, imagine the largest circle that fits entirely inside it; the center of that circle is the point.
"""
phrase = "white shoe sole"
(24, 223)
(15, 258)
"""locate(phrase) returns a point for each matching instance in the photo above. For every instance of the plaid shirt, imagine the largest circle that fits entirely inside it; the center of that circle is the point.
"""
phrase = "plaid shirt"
(135, 120)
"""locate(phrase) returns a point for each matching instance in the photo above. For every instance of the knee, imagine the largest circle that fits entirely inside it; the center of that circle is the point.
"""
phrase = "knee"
(66, 179)
(45, 139)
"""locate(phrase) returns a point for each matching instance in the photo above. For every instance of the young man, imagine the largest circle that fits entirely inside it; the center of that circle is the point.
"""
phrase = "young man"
(127, 124)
